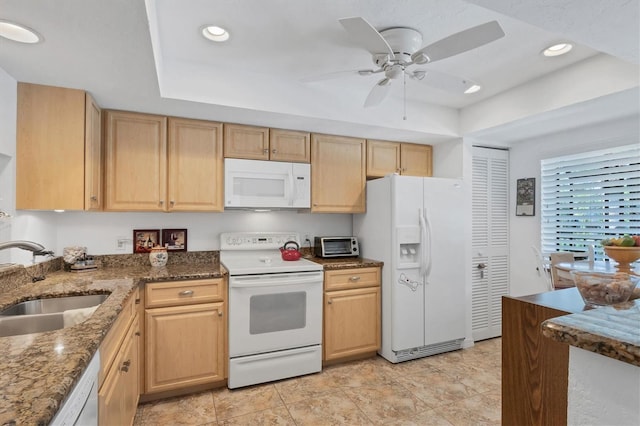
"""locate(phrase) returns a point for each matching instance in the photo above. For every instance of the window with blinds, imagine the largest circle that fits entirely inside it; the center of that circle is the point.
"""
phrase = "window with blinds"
(588, 197)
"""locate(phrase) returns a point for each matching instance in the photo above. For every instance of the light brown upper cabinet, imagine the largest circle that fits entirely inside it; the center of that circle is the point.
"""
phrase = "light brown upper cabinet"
(147, 171)
(289, 145)
(196, 166)
(262, 143)
(58, 150)
(337, 174)
(407, 159)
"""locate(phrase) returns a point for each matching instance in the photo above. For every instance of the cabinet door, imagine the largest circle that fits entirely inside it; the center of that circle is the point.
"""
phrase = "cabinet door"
(196, 181)
(248, 142)
(135, 161)
(93, 155)
(290, 145)
(337, 174)
(416, 160)
(50, 148)
(351, 322)
(118, 395)
(184, 346)
(382, 158)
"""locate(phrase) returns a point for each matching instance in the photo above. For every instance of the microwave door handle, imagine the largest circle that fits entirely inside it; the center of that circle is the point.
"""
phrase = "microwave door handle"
(292, 186)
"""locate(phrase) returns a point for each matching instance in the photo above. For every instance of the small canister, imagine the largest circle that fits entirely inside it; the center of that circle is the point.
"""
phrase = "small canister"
(158, 256)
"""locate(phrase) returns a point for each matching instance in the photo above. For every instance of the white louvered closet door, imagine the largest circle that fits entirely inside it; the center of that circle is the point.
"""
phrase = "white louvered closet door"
(490, 240)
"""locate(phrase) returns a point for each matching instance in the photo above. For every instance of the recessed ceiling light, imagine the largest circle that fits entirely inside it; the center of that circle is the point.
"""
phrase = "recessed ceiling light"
(215, 33)
(472, 89)
(557, 49)
(19, 33)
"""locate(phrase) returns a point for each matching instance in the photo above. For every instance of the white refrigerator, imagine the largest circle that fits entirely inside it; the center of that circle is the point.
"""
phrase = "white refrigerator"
(416, 226)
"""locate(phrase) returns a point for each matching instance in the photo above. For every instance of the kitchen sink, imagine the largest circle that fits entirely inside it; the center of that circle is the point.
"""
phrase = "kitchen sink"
(40, 315)
(54, 304)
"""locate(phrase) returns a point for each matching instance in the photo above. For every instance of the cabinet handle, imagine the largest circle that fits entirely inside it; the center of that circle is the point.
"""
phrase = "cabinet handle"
(329, 302)
(125, 366)
(186, 293)
(137, 301)
(161, 202)
(354, 278)
(220, 313)
(173, 203)
(265, 151)
(273, 151)
(137, 333)
(94, 198)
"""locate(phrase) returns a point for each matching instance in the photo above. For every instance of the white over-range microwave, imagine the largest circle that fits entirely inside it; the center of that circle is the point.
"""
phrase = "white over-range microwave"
(256, 184)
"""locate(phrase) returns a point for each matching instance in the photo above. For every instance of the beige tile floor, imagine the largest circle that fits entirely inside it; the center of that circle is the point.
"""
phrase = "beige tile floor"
(456, 388)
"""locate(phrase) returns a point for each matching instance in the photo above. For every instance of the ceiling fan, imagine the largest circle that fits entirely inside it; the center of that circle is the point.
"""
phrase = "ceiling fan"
(395, 50)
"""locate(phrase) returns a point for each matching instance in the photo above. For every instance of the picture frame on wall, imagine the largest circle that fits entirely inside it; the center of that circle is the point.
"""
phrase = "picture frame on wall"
(145, 239)
(526, 197)
(174, 239)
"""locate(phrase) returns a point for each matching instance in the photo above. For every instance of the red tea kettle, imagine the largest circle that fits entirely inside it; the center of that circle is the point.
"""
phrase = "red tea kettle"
(290, 253)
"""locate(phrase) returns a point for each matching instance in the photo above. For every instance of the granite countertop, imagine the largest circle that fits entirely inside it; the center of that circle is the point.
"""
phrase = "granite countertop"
(37, 371)
(612, 331)
(330, 264)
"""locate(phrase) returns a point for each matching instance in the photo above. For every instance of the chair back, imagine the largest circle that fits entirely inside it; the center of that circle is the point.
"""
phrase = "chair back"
(543, 269)
(561, 278)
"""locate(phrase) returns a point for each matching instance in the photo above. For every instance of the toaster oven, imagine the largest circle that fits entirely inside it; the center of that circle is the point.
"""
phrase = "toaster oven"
(336, 247)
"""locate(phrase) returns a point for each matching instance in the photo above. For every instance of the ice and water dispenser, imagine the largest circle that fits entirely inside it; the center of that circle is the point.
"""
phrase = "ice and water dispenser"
(408, 238)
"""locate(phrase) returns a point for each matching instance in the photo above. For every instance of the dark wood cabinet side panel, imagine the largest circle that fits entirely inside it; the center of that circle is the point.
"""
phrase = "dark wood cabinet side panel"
(534, 368)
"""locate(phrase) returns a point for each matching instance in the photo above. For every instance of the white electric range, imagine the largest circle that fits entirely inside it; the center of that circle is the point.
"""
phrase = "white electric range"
(275, 309)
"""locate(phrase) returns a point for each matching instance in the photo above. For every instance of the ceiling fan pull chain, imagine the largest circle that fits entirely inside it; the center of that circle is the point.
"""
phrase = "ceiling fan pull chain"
(404, 91)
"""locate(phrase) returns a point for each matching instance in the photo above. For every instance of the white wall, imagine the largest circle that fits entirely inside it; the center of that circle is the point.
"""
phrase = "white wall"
(602, 390)
(524, 162)
(8, 99)
(99, 231)
(448, 159)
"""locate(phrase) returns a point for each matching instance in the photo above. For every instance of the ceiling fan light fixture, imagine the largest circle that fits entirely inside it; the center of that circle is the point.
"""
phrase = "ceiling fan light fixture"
(384, 82)
(215, 33)
(473, 89)
(19, 33)
(557, 49)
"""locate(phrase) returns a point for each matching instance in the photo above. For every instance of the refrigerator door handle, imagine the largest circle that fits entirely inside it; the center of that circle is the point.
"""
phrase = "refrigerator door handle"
(426, 245)
(423, 246)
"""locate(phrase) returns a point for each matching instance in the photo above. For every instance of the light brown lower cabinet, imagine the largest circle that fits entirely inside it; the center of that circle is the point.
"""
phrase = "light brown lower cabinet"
(185, 338)
(351, 313)
(119, 391)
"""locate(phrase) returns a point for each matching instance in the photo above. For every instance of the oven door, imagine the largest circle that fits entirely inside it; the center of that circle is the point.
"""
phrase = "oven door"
(273, 312)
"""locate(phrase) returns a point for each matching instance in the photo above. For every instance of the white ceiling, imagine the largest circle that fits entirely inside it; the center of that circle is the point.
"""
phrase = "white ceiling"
(149, 56)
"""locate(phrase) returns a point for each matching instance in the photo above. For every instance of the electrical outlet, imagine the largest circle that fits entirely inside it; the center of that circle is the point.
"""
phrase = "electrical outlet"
(121, 243)
(307, 238)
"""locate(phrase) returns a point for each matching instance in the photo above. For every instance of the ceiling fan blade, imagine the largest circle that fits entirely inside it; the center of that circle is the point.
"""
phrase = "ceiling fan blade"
(336, 74)
(366, 36)
(463, 41)
(378, 93)
(446, 82)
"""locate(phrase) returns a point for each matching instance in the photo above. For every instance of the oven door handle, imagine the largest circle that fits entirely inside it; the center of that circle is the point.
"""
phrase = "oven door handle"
(272, 282)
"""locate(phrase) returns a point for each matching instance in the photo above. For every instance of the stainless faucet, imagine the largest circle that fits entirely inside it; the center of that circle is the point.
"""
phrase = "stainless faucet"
(37, 249)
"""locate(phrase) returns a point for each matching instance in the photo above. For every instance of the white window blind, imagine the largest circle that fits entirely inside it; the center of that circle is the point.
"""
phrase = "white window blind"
(588, 197)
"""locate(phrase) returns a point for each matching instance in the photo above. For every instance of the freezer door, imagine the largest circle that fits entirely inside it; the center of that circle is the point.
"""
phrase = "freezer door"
(407, 291)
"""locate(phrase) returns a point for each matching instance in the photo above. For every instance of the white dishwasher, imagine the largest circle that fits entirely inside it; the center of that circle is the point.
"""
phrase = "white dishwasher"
(81, 405)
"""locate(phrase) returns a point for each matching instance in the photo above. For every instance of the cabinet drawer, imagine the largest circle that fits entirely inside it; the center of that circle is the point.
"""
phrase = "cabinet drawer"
(351, 278)
(111, 343)
(175, 293)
